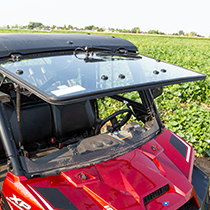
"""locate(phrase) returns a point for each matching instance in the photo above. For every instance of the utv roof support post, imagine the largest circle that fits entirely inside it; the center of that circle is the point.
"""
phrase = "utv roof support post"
(153, 106)
(18, 101)
(9, 145)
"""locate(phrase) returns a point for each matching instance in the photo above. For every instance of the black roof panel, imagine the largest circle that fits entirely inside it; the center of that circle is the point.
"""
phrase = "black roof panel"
(28, 43)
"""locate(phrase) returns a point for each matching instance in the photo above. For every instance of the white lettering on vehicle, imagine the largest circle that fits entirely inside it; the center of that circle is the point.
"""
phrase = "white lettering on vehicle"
(18, 202)
(108, 207)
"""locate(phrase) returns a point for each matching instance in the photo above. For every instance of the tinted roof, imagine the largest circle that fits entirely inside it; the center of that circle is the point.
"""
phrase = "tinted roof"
(57, 72)
(65, 78)
(36, 43)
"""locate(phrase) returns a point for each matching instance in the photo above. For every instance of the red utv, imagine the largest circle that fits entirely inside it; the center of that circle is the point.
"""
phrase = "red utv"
(79, 128)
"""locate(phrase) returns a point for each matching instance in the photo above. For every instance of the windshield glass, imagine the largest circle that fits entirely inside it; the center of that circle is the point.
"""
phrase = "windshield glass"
(119, 124)
(113, 121)
(71, 76)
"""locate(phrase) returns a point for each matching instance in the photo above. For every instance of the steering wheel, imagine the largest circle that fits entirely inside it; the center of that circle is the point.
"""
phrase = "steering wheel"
(115, 124)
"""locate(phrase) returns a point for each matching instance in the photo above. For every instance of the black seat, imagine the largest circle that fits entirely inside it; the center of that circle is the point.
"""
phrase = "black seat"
(36, 124)
(41, 121)
(73, 119)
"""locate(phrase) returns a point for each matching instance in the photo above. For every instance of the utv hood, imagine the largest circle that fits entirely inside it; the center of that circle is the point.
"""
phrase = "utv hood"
(120, 183)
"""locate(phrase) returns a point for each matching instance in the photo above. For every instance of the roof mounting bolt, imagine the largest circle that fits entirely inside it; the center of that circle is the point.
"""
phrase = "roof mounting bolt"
(158, 60)
(154, 148)
(16, 57)
(70, 42)
(104, 77)
(82, 176)
(163, 70)
(155, 72)
(122, 51)
(121, 76)
(88, 33)
(19, 72)
(113, 36)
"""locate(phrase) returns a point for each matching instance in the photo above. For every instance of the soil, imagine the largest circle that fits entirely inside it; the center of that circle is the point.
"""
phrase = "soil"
(204, 164)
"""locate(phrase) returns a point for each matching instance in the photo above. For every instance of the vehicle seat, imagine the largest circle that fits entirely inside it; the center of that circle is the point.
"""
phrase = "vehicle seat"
(36, 124)
(71, 119)
(41, 121)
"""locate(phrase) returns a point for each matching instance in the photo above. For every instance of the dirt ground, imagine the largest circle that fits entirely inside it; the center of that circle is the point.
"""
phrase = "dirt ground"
(204, 164)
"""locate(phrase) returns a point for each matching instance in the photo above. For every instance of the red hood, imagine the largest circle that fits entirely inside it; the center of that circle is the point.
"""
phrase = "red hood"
(120, 183)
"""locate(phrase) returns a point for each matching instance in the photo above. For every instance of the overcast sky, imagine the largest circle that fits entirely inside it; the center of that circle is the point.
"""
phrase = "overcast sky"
(168, 16)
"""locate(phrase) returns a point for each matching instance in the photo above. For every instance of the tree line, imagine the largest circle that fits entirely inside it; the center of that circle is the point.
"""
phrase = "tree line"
(40, 26)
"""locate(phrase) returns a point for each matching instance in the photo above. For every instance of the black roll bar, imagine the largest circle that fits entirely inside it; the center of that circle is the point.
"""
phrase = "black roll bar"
(9, 146)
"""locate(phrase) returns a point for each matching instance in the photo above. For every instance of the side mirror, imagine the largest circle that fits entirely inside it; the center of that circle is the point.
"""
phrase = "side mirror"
(157, 91)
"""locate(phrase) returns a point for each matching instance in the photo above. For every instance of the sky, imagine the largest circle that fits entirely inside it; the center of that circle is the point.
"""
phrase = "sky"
(167, 16)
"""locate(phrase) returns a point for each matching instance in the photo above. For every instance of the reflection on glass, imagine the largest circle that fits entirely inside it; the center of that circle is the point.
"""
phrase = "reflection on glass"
(67, 75)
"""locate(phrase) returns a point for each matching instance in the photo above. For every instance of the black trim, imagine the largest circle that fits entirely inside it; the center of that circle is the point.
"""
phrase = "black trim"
(9, 146)
(188, 206)
(38, 43)
(56, 198)
(200, 182)
(155, 194)
(4, 204)
(137, 105)
(181, 148)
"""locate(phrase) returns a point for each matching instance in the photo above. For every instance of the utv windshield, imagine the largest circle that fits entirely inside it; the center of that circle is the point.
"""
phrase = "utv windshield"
(113, 114)
(64, 77)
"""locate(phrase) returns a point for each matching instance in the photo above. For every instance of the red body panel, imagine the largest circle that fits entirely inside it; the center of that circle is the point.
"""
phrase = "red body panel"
(120, 183)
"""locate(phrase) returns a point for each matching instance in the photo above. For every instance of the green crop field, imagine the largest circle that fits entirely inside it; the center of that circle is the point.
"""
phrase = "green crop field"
(184, 108)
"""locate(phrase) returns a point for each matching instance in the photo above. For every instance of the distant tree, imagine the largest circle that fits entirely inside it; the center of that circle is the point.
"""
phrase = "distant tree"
(112, 29)
(181, 32)
(33, 25)
(126, 31)
(69, 27)
(53, 27)
(64, 27)
(193, 33)
(7, 26)
(155, 32)
(101, 29)
(118, 29)
(161, 33)
(90, 28)
(135, 30)
(175, 34)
